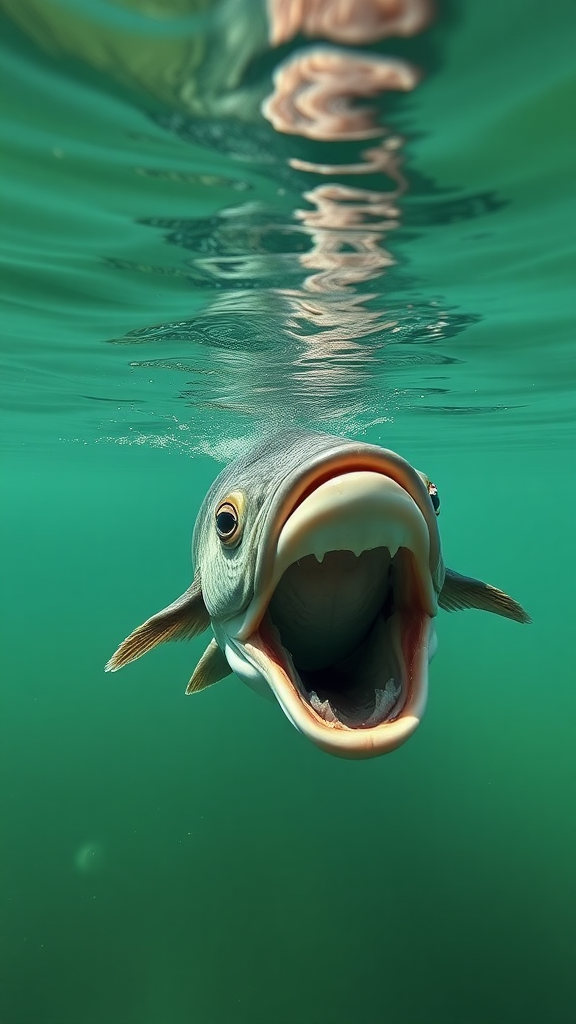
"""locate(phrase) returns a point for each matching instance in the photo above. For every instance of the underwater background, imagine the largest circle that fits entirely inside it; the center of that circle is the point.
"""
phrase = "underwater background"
(177, 282)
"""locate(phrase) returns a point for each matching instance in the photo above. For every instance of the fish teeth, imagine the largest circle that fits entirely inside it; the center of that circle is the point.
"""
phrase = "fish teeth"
(385, 701)
(343, 544)
(322, 707)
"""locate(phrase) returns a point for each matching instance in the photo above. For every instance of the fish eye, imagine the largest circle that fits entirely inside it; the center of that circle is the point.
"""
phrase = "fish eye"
(228, 520)
(433, 492)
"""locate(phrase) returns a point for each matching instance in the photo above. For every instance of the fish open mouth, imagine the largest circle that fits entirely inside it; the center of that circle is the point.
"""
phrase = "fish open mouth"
(345, 636)
(319, 568)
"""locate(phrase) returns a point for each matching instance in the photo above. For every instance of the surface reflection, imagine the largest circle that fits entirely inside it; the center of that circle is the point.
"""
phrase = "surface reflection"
(315, 89)
(347, 21)
(301, 304)
(314, 95)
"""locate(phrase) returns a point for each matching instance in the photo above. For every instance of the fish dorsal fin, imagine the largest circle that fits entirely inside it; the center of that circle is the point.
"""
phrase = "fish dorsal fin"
(465, 592)
(210, 669)
(184, 618)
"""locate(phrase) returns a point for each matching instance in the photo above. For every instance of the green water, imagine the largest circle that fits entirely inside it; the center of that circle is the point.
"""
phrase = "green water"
(166, 859)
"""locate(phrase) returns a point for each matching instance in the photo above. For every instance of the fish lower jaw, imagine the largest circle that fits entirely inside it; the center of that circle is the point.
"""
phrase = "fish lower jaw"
(397, 710)
(386, 704)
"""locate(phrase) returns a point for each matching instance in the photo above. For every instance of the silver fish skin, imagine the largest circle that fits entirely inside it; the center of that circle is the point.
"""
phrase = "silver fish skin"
(318, 565)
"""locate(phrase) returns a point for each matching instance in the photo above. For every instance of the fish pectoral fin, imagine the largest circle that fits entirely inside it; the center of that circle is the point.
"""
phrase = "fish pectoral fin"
(210, 669)
(465, 592)
(184, 618)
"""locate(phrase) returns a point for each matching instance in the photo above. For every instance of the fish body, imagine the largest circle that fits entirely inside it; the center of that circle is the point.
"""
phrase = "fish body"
(318, 565)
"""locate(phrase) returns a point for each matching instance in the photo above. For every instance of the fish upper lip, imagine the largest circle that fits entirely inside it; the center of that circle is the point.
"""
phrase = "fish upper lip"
(337, 463)
(357, 512)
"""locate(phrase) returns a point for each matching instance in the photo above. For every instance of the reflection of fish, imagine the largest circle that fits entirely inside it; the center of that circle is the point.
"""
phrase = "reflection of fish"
(315, 87)
(318, 564)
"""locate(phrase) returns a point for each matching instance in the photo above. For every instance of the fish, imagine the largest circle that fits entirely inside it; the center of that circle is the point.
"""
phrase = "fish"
(318, 566)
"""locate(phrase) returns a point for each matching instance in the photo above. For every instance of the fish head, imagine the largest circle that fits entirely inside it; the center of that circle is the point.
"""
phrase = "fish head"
(320, 567)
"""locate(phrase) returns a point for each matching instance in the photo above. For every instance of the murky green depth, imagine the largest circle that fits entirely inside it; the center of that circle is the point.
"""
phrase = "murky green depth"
(169, 859)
